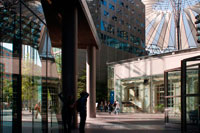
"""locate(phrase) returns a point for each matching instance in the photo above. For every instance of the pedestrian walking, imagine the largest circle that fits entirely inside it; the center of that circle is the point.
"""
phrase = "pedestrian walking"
(117, 108)
(81, 108)
(114, 105)
(37, 108)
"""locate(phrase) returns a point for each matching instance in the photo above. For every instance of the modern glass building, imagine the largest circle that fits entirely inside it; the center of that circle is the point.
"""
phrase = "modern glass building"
(121, 24)
(30, 75)
(120, 27)
(139, 83)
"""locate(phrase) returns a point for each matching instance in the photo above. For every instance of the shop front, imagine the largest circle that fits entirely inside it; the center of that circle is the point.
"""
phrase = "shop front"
(138, 83)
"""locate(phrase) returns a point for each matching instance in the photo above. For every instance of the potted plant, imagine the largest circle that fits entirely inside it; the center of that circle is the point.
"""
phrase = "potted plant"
(159, 108)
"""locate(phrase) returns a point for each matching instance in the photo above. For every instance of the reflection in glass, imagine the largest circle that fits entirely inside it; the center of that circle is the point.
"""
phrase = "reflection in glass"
(193, 113)
(192, 81)
(39, 72)
(174, 100)
(6, 85)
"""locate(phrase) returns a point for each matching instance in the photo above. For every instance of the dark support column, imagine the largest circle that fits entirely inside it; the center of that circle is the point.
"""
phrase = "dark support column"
(16, 84)
(17, 80)
(91, 80)
(44, 104)
(69, 53)
(1, 106)
(166, 90)
(1, 92)
(199, 78)
(183, 97)
(199, 96)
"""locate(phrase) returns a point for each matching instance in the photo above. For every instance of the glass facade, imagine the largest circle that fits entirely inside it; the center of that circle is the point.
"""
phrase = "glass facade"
(115, 43)
(168, 83)
(120, 24)
(174, 101)
(29, 75)
(139, 94)
(110, 81)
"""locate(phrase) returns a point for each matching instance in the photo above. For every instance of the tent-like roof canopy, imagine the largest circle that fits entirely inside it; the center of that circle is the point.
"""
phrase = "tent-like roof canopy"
(162, 17)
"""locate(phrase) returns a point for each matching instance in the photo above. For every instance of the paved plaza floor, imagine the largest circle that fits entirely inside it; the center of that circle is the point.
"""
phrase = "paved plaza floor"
(105, 123)
(128, 123)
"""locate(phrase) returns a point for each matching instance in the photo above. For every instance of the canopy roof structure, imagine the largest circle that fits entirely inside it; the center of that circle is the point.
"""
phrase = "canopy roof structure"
(34, 12)
(163, 17)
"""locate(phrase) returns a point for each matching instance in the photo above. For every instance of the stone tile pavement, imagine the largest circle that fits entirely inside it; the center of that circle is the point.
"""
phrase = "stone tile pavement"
(105, 123)
(128, 123)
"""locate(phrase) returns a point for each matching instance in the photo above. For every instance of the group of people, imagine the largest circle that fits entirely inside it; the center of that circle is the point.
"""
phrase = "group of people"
(110, 107)
(68, 109)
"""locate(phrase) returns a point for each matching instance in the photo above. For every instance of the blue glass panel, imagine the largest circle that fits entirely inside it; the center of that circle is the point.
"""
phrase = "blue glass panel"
(102, 26)
(112, 7)
(112, 42)
(121, 3)
(103, 2)
(106, 13)
(115, 1)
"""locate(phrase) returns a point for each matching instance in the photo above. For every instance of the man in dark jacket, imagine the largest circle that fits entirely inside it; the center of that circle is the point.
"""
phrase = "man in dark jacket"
(81, 108)
(67, 111)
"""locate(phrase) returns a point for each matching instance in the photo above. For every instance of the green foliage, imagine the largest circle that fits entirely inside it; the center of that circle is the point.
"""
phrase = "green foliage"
(30, 81)
(7, 90)
(101, 92)
(81, 78)
(101, 88)
(81, 82)
(58, 61)
(160, 108)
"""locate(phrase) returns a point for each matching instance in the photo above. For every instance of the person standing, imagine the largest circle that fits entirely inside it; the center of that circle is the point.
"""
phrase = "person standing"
(110, 108)
(117, 107)
(81, 108)
(101, 106)
(105, 106)
(67, 112)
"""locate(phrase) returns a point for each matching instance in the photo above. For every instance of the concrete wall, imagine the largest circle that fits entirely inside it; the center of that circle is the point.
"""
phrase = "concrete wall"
(153, 65)
(108, 54)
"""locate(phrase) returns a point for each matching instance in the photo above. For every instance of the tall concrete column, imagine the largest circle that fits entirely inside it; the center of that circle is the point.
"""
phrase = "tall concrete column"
(69, 53)
(91, 81)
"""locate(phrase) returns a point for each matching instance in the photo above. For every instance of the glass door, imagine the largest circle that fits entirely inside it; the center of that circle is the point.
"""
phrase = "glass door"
(192, 98)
